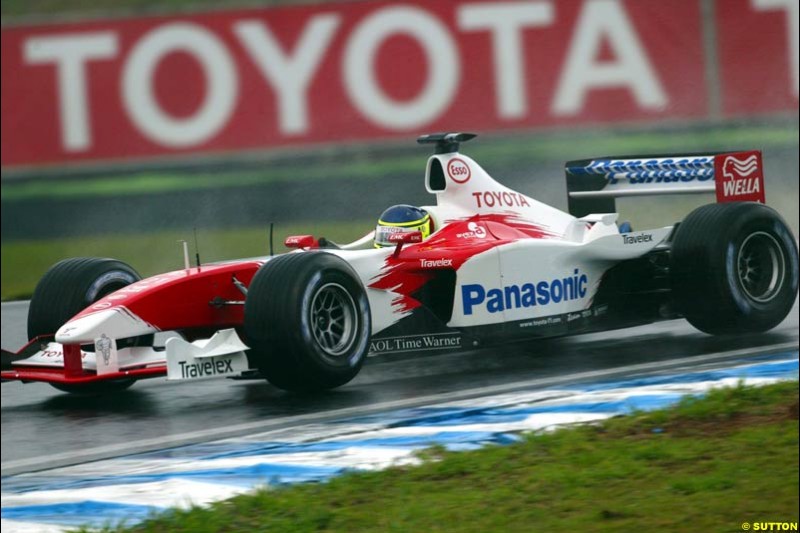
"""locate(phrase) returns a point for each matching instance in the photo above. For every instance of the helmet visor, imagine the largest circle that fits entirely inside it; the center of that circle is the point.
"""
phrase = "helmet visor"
(383, 231)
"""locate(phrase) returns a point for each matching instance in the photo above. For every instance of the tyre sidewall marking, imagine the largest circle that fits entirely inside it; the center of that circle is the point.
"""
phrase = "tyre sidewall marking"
(777, 230)
(357, 350)
(105, 279)
(789, 248)
(364, 326)
(732, 275)
(312, 285)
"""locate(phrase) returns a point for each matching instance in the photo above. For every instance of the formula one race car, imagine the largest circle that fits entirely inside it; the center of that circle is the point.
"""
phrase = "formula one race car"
(498, 266)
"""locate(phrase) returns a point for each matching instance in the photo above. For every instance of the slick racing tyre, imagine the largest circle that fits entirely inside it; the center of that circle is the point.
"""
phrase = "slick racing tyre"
(68, 288)
(307, 321)
(734, 268)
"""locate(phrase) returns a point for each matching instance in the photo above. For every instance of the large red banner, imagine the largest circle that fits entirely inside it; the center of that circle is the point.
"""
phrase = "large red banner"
(758, 55)
(226, 81)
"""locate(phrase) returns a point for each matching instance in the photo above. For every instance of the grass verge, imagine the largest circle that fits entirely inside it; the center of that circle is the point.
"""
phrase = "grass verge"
(709, 464)
(24, 262)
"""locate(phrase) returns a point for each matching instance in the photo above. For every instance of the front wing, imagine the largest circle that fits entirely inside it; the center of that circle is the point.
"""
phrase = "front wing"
(223, 355)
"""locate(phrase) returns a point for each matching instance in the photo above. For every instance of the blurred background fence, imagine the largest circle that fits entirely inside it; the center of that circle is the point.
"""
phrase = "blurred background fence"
(127, 125)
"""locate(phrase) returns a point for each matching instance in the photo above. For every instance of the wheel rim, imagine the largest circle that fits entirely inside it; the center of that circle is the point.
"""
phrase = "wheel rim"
(761, 266)
(333, 319)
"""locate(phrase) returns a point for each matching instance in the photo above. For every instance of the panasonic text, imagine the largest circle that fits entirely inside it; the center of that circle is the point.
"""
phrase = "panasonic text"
(526, 295)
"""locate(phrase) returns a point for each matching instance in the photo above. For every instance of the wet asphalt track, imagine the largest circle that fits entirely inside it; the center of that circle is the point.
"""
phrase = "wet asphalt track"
(42, 427)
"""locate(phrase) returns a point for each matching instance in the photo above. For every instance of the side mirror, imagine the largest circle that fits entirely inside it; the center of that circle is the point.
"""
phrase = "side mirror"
(408, 237)
(300, 241)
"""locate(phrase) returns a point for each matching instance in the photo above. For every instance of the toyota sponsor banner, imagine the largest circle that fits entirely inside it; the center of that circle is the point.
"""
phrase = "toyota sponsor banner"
(758, 55)
(226, 81)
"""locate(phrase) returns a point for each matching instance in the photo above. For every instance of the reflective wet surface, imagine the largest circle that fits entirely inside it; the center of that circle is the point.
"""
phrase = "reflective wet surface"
(38, 421)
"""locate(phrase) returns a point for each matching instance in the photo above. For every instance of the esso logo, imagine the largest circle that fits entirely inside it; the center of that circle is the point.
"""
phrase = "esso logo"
(458, 170)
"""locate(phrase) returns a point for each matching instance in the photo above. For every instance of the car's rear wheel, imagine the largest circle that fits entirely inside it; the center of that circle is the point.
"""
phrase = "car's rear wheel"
(734, 268)
(307, 321)
(68, 288)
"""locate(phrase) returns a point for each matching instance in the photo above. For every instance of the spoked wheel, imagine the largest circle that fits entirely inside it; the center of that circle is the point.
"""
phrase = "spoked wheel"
(333, 320)
(307, 321)
(762, 267)
(734, 268)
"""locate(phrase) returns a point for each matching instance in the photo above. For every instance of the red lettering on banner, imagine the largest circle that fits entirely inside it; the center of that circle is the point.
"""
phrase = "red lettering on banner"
(257, 79)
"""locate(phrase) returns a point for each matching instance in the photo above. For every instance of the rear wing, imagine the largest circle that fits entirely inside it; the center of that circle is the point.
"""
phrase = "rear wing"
(594, 184)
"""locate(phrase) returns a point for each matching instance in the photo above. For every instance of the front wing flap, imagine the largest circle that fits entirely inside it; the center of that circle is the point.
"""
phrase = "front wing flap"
(223, 355)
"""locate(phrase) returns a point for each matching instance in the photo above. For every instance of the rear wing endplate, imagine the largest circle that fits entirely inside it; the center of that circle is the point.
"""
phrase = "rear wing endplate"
(594, 184)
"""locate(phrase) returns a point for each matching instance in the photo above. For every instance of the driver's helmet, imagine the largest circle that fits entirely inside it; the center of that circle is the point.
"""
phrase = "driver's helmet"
(401, 219)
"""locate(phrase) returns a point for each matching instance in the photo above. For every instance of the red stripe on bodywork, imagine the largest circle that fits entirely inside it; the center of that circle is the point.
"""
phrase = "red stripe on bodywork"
(184, 298)
(457, 242)
(512, 221)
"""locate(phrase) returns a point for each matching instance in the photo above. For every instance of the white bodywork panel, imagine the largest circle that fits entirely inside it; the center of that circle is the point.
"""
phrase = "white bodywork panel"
(220, 356)
(574, 248)
(116, 323)
(481, 194)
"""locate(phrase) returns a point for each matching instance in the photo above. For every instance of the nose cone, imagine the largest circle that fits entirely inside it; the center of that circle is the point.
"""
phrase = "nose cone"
(115, 323)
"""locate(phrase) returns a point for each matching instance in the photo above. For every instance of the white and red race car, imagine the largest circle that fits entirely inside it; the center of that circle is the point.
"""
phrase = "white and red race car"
(500, 266)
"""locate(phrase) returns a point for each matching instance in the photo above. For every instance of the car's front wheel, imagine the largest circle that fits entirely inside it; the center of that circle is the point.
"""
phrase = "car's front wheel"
(66, 289)
(307, 321)
(734, 268)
